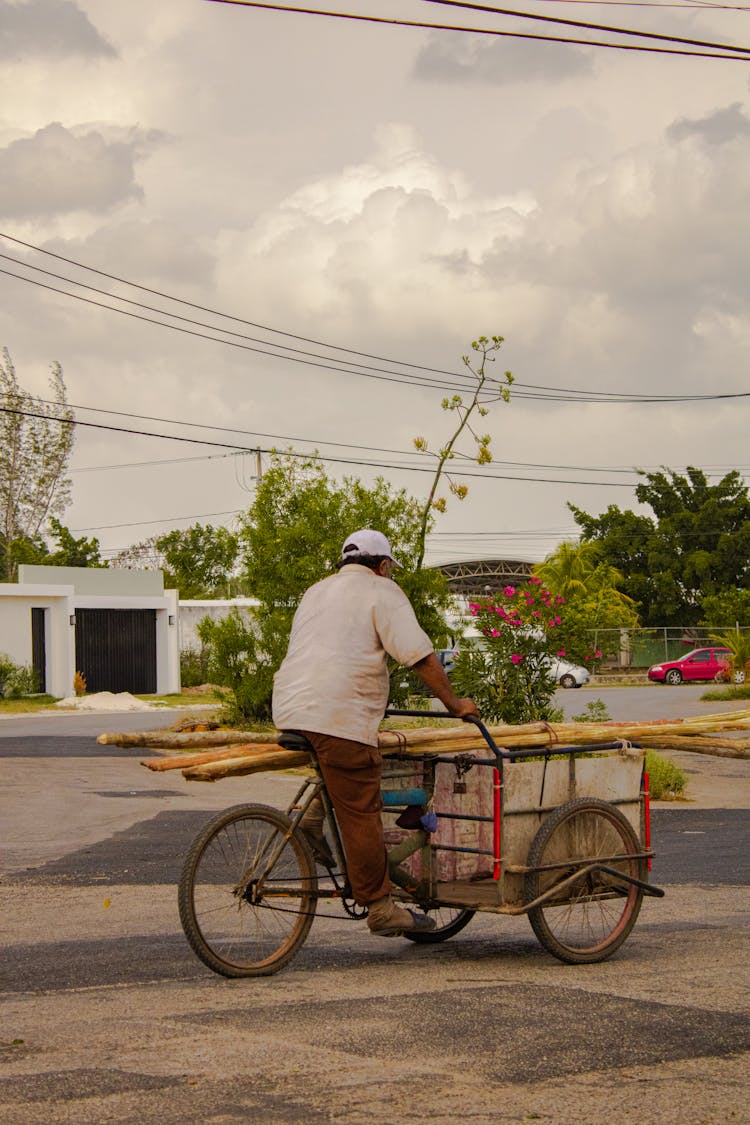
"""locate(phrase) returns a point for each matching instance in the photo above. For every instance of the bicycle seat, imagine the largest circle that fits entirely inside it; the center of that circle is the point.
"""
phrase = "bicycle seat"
(293, 740)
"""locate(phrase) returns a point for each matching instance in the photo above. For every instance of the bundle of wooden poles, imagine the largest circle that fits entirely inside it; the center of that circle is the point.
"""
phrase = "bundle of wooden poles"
(232, 753)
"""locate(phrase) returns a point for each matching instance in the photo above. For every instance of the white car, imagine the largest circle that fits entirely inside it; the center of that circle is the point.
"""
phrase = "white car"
(568, 675)
(564, 673)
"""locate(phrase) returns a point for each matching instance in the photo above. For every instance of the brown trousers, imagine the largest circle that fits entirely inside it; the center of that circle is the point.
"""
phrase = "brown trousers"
(351, 771)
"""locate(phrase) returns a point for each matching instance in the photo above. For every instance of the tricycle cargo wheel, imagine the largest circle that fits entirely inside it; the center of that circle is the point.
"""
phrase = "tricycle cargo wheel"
(247, 892)
(590, 916)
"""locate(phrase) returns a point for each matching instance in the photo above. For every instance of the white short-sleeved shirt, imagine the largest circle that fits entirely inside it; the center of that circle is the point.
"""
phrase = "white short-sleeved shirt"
(334, 678)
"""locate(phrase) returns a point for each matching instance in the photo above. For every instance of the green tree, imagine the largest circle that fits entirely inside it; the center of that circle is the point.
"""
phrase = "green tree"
(696, 544)
(71, 551)
(199, 560)
(727, 609)
(36, 440)
(485, 389)
(290, 538)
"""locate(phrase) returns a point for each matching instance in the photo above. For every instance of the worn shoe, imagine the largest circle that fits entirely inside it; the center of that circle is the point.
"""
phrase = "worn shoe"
(385, 919)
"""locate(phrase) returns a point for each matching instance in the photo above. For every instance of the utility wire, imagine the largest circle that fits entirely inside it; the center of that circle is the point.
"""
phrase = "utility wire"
(546, 395)
(465, 5)
(520, 389)
(691, 5)
(307, 456)
(720, 51)
(225, 316)
(360, 368)
(619, 469)
(412, 380)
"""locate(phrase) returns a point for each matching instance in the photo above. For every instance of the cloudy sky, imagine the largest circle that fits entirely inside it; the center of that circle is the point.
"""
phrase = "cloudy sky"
(374, 197)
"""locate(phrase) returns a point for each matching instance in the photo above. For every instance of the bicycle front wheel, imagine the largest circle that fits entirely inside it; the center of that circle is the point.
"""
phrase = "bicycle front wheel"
(247, 893)
(590, 917)
(449, 920)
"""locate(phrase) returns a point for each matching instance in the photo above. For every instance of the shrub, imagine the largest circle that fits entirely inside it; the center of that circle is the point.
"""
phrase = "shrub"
(732, 691)
(594, 712)
(194, 666)
(507, 672)
(244, 657)
(666, 781)
(16, 679)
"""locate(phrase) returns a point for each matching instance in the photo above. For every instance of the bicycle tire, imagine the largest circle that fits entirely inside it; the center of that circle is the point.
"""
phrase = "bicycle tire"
(592, 918)
(240, 918)
(446, 927)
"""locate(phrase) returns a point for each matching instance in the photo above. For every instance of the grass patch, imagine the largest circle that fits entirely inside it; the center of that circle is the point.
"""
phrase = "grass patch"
(26, 704)
(183, 699)
(731, 691)
(667, 782)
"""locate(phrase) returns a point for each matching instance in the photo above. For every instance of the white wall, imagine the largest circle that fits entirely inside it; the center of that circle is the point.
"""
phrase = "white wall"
(192, 612)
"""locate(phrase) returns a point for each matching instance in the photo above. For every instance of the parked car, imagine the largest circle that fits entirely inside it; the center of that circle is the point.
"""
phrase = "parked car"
(700, 664)
(447, 657)
(569, 675)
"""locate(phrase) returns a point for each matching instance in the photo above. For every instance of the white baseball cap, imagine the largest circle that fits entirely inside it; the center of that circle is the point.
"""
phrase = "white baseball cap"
(367, 542)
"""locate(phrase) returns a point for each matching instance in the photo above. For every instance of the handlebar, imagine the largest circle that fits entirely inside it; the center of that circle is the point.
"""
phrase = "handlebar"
(511, 755)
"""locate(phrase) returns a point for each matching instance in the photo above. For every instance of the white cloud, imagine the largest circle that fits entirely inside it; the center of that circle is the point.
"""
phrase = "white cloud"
(40, 28)
(59, 170)
(502, 61)
(598, 221)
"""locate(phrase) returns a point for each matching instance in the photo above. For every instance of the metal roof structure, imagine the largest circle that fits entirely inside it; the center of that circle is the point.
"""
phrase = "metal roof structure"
(484, 576)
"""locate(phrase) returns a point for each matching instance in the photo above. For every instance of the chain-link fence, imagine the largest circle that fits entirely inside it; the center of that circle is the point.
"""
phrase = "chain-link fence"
(639, 648)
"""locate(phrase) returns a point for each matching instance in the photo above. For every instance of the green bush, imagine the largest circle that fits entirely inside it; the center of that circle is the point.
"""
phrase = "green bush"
(506, 673)
(16, 680)
(243, 655)
(194, 667)
(666, 781)
(732, 691)
(594, 712)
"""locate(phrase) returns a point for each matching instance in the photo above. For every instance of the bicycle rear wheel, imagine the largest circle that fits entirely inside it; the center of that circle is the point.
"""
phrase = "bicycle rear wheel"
(590, 918)
(247, 895)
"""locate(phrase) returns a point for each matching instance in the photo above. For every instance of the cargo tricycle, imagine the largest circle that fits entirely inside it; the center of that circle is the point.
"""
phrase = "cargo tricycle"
(561, 835)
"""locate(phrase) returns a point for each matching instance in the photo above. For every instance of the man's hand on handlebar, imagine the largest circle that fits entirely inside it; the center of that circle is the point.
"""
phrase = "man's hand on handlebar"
(465, 707)
(432, 674)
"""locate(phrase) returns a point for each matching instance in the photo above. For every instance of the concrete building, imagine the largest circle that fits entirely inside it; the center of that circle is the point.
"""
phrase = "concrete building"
(118, 628)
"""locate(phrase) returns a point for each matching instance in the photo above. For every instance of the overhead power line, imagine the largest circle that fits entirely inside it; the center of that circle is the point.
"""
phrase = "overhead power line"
(370, 464)
(719, 50)
(360, 369)
(466, 5)
(223, 315)
(536, 391)
(406, 380)
(621, 469)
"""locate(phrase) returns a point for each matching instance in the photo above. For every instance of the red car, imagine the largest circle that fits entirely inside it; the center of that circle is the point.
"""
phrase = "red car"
(700, 664)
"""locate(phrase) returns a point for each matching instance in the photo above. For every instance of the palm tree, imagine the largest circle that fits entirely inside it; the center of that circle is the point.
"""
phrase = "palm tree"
(738, 644)
(577, 570)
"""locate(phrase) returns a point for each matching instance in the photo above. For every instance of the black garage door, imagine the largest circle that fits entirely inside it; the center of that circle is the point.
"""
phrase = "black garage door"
(116, 649)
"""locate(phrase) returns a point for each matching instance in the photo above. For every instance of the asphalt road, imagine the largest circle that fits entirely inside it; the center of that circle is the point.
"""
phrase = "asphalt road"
(646, 701)
(107, 1016)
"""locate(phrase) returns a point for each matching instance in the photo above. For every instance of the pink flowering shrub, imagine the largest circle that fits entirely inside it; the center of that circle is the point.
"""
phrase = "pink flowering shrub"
(506, 671)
